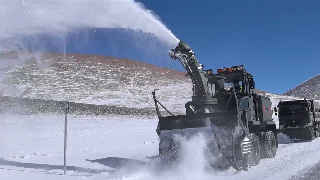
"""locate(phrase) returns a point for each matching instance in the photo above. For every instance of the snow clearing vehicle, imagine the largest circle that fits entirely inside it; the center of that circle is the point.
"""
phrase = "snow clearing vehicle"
(299, 119)
(236, 122)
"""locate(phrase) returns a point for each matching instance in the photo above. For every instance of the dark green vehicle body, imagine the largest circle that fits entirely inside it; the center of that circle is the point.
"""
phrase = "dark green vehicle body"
(235, 122)
(299, 119)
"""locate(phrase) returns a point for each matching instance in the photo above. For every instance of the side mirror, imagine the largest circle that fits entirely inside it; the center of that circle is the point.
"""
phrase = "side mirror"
(252, 84)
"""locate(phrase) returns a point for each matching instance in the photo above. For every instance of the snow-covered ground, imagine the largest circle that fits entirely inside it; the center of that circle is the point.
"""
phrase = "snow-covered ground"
(31, 147)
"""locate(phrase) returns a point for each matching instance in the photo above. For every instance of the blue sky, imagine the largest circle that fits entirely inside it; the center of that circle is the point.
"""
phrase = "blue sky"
(277, 41)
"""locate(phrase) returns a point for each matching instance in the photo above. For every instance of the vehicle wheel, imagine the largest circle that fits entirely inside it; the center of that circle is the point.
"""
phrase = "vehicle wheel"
(270, 145)
(245, 166)
(312, 134)
(316, 133)
(255, 150)
(168, 150)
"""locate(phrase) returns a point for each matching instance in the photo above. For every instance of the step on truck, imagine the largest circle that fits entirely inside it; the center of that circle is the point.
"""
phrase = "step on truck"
(299, 119)
(235, 122)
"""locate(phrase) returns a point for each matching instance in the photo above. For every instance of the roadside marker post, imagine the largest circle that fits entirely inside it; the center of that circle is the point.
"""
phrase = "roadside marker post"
(67, 107)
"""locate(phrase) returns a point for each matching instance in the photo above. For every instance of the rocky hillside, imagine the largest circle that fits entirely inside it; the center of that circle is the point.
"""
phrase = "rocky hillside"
(308, 89)
(92, 79)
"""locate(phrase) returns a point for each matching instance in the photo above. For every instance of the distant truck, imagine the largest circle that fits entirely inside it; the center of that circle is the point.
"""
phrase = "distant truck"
(299, 119)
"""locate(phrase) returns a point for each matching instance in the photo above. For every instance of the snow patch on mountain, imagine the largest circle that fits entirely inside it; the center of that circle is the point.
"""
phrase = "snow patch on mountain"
(96, 80)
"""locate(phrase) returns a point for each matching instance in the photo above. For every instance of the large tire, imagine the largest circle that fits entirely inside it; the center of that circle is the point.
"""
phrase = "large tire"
(316, 132)
(312, 134)
(255, 150)
(168, 153)
(270, 145)
(245, 160)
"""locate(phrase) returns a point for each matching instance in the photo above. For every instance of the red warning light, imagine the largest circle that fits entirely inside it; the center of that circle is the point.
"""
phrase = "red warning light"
(220, 70)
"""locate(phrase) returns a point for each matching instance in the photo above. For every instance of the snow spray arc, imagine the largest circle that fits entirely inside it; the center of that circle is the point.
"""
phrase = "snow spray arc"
(28, 22)
(31, 18)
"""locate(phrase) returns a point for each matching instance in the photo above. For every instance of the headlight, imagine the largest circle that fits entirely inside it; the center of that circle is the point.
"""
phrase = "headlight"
(234, 68)
(240, 67)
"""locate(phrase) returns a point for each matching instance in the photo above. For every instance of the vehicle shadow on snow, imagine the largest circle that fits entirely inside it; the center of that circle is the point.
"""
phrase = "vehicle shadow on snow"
(284, 139)
(50, 167)
(124, 166)
(118, 163)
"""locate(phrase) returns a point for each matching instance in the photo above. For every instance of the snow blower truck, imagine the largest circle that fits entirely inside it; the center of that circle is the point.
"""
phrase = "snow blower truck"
(236, 122)
(299, 119)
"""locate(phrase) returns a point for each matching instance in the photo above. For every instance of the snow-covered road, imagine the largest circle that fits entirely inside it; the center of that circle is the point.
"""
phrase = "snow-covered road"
(31, 147)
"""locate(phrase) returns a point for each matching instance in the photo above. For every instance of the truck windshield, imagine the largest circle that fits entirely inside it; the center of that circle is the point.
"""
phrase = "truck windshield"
(293, 109)
(244, 104)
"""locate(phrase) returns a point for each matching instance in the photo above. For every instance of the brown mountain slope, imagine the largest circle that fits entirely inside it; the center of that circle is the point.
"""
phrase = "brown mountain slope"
(308, 89)
(93, 79)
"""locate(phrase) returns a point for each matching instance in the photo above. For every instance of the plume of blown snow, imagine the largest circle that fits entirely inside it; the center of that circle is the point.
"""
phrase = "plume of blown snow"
(30, 17)
(25, 23)
(192, 165)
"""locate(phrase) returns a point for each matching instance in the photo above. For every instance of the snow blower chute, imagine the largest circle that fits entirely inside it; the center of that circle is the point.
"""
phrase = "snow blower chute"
(237, 122)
